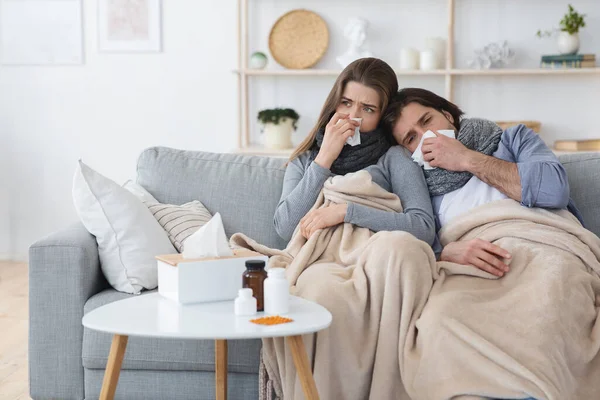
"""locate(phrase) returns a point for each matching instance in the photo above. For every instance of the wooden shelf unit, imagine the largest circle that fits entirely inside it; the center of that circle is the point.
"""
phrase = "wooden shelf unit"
(244, 73)
(438, 72)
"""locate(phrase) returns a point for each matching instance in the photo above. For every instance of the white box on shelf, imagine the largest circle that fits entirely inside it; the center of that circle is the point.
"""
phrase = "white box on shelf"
(203, 280)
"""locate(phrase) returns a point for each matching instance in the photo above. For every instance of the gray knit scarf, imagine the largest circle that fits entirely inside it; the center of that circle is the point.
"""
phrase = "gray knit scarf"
(372, 146)
(476, 134)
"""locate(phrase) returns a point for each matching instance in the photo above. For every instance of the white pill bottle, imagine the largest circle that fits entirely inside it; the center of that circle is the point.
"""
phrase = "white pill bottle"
(276, 292)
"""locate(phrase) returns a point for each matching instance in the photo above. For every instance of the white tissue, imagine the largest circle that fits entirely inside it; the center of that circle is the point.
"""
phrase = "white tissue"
(417, 156)
(353, 140)
(448, 132)
(208, 241)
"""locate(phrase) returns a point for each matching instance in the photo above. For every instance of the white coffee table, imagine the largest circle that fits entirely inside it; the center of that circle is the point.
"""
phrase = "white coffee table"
(152, 315)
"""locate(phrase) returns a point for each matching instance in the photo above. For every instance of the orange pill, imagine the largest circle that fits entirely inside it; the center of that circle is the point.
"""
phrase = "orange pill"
(271, 320)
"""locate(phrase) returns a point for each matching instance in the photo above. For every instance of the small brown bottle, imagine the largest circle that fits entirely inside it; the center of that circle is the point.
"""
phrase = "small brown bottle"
(253, 278)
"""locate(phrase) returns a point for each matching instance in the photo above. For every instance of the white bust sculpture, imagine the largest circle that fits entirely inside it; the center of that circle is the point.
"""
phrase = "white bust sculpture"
(356, 33)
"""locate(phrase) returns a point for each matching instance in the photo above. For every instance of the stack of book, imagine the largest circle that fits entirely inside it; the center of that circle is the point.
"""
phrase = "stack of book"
(568, 61)
(577, 145)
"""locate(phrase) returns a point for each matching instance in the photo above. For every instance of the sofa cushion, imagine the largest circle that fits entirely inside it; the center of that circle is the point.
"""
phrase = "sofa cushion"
(244, 189)
(163, 354)
(172, 385)
(583, 171)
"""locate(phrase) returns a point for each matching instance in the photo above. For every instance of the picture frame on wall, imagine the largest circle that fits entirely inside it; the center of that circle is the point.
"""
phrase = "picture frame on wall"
(129, 26)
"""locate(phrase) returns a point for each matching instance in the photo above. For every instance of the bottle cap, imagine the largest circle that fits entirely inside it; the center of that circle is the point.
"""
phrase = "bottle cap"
(245, 293)
(276, 272)
(255, 264)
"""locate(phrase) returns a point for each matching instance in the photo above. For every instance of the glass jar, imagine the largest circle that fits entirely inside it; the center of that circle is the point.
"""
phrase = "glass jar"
(254, 278)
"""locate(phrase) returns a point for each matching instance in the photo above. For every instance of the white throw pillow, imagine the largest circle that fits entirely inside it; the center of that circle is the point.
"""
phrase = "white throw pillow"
(128, 236)
(139, 192)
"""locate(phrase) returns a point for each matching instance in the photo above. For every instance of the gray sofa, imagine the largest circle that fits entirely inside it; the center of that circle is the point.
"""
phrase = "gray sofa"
(67, 361)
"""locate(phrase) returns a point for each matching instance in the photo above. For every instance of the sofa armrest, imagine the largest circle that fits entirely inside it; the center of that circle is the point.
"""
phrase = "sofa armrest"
(64, 272)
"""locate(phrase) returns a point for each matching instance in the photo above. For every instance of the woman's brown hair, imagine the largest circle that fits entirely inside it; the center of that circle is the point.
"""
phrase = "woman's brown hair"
(371, 72)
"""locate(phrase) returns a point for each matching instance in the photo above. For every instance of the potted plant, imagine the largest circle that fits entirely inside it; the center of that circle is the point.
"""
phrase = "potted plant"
(568, 35)
(278, 124)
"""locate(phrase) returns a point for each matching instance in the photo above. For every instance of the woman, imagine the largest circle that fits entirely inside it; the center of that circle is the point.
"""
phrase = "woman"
(363, 90)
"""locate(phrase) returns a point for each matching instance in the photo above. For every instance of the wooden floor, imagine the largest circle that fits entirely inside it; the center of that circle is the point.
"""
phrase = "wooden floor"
(13, 331)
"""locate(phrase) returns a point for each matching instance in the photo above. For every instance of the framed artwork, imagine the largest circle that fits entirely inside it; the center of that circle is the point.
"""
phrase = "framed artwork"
(41, 32)
(129, 25)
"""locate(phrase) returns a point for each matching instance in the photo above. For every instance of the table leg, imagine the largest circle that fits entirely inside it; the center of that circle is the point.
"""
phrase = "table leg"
(221, 369)
(113, 367)
(302, 367)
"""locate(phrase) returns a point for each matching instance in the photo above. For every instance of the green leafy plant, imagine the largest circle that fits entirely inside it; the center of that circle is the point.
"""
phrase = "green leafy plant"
(571, 22)
(274, 115)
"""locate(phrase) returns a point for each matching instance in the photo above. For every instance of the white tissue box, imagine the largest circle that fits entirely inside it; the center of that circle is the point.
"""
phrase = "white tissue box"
(203, 279)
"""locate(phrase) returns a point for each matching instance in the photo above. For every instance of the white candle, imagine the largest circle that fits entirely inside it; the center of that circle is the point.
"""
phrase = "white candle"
(428, 60)
(409, 58)
(438, 46)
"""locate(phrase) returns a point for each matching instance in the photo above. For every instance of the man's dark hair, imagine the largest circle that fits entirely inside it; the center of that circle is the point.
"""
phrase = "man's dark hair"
(423, 97)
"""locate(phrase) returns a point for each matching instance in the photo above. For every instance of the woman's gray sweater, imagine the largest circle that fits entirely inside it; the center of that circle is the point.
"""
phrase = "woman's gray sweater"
(395, 172)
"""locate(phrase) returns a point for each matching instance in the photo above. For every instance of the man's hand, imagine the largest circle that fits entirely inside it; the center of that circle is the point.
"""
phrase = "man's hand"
(322, 218)
(478, 253)
(452, 155)
(446, 153)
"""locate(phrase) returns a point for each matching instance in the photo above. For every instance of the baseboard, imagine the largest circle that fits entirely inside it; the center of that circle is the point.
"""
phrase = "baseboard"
(14, 257)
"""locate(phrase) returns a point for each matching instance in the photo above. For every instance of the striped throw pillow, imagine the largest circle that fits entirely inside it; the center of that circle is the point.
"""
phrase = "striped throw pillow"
(180, 221)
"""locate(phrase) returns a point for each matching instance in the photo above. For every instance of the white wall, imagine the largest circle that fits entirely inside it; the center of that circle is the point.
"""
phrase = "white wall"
(4, 196)
(112, 107)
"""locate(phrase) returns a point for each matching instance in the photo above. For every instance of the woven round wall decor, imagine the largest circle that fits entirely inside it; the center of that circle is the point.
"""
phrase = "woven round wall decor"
(298, 39)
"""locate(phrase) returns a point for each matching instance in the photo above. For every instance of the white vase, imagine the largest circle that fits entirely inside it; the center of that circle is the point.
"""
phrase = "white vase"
(567, 43)
(278, 136)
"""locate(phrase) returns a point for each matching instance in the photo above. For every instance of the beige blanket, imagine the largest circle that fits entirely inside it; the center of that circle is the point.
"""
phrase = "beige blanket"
(405, 325)
(375, 286)
(533, 333)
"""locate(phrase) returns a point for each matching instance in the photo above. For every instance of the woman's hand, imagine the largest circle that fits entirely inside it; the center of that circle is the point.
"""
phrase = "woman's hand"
(335, 138)
(478, 253)
(322, 218)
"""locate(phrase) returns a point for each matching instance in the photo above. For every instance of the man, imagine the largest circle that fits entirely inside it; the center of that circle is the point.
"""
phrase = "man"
(512, 164)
